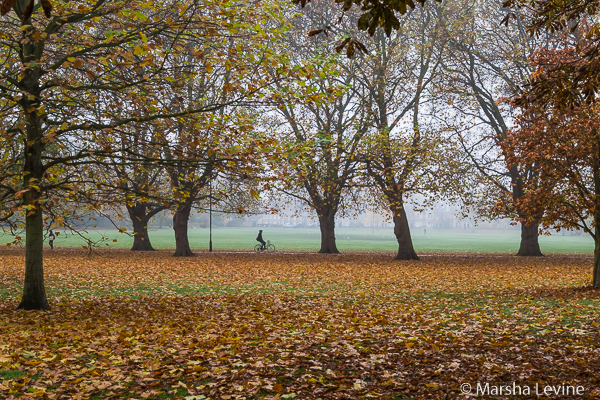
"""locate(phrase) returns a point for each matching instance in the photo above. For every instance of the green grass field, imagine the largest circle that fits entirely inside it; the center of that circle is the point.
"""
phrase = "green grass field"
(348, 239)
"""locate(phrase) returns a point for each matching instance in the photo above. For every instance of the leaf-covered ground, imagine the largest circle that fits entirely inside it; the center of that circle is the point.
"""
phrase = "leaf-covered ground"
(244, 326)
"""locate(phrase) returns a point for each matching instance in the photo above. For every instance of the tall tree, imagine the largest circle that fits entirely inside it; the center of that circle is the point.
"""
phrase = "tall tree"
(564, 147)
(197, 150)
(403, 157)
(559, 125)
(320, 125)
(53, 73)
(485, 63)
(320, 142)
(141, 183)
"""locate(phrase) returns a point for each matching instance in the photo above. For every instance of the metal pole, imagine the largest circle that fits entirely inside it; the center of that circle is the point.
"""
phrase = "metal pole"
(210, 218)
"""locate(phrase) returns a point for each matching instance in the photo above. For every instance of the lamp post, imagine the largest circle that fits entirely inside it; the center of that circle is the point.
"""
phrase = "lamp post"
(210, 217)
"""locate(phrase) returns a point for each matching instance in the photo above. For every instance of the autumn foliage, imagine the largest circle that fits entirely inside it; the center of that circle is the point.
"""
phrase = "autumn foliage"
(557, 134)
(307, 326)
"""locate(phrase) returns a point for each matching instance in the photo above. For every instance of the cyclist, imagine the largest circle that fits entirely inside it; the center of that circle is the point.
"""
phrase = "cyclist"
(259, 238)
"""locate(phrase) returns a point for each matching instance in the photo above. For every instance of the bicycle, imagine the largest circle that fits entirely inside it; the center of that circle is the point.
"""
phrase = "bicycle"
(268, 247)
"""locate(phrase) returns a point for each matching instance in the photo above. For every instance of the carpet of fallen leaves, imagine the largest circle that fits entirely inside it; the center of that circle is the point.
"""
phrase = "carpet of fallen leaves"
(305, 326)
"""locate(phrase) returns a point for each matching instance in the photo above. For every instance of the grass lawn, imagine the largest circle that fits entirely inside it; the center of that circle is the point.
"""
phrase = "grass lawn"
(126, 325)
(348, 239)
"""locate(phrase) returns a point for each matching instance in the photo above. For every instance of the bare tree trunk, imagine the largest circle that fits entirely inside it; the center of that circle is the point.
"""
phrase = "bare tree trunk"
(34, 291)
(530, 246)
(596, 229)
(596, 273)
(140, 218)
(406, 250)
(180, 225)
(141, 240)
(327, 226)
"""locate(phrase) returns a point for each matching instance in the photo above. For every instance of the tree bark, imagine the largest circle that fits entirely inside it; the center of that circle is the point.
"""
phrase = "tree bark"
(406, 250)
(180, 225)
(141, 240)
(140, 218)
(596, 273)
(530, 246)
(596, 213)
(34, 291)
(327, 226)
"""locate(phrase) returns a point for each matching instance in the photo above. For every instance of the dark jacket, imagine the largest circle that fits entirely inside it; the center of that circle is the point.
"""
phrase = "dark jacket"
(259, 237)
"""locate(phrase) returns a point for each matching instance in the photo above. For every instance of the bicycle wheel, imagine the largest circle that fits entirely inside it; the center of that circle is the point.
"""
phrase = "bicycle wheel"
(257, 248)
(271, 248)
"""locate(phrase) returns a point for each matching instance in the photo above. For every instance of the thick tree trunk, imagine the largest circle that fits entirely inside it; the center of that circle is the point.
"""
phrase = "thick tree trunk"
(141, 240)
(406, 250)
(596, 281)
(327, 226)
(530, 246)
(596, 233)
(180, 225)
(139, 219)
(34, 291)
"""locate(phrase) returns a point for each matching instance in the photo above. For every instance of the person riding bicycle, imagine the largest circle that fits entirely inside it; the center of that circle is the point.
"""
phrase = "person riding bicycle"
(259, 238)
